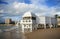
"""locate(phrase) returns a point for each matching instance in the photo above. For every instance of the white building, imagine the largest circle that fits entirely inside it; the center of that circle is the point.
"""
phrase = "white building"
(46, 21)
(32, 22)
(28, 23)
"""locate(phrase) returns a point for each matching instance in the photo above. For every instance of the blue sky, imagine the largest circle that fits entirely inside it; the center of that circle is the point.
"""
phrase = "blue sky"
(16, 8)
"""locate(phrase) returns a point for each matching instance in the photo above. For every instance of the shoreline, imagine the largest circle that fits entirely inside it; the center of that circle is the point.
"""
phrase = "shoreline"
(7, 24)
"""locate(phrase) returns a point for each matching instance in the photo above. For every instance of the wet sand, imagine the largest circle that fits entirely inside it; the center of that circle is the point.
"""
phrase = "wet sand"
(53, 33)
(12, 35)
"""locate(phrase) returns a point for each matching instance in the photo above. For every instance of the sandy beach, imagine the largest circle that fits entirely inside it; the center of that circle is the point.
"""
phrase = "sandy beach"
(53, 33)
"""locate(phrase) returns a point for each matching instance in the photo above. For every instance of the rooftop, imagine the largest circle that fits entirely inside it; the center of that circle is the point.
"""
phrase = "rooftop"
(29, 14)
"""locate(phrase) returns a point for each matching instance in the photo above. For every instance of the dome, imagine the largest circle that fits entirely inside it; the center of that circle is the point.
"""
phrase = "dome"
(29, 14)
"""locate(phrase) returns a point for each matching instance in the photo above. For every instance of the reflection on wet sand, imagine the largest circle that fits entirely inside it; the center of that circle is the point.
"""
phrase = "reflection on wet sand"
(53, 33)
(12, 35)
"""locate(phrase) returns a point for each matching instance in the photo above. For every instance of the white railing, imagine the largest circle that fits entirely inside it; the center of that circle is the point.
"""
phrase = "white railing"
(27, 22)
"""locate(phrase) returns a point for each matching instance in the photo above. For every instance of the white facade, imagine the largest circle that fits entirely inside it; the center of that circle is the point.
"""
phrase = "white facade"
(28, 23)
(46, 21)
(32, 22)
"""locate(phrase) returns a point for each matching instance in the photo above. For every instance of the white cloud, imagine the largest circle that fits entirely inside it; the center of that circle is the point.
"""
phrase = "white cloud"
(38, 1)
(17, 7)
(1, 11)
(22, 7)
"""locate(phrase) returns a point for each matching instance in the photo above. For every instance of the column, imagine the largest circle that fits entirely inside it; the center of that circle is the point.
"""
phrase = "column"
(31, 28)
(50, 25)
(44, 26)
(23, 28)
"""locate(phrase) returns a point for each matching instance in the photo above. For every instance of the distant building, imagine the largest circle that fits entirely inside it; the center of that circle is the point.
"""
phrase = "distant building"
(58, 21)
(8, 21)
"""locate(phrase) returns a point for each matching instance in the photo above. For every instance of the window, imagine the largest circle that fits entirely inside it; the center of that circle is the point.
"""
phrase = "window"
(29, 20)
(18, 23)
(24, 25)
(23, 20)
(26, 20)
(34, 18)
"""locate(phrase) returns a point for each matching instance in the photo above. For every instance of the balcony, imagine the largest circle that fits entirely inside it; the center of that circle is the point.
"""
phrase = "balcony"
(28, 21)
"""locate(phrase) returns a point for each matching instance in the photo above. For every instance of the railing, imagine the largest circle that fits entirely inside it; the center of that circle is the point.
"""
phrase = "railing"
(28, 22)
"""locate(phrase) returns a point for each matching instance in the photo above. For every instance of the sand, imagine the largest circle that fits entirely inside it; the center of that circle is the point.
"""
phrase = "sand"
(53, 33)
